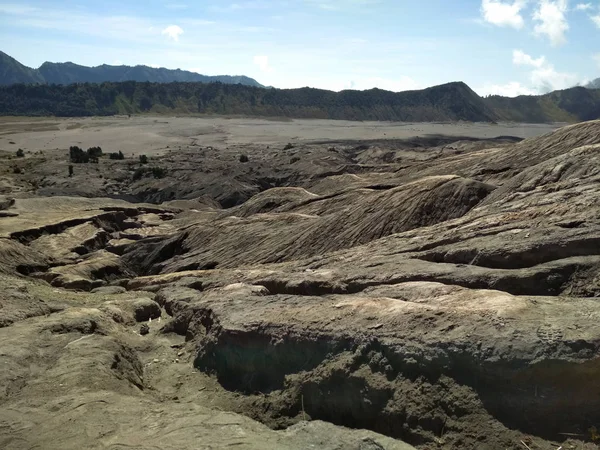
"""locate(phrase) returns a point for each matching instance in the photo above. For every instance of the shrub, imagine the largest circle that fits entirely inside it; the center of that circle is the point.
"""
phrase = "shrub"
(77, 155)
(119, 155)
(244, 158)
(143, 159)
(294, 159)
(158, 172)
(20, 153)
(17, 170)
(139, 173)
(70, 170)
(94, 152)
(289, 146)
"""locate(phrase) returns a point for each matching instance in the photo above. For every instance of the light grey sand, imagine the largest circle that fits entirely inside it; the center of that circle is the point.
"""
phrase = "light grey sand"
(152, 135)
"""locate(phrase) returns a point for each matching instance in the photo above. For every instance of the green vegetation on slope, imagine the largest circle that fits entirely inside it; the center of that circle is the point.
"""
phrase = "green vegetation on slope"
(453, 101)
(569, 105)
(448, 102)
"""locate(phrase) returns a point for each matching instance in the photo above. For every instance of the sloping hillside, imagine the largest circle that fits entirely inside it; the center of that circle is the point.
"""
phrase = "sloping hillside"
(74, 90)
(570, 105)
(12, 72)
(449, 102)
(67, 73)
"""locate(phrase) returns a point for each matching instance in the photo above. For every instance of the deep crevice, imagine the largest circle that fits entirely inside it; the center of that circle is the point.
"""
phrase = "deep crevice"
(363, 383)
(112, 220)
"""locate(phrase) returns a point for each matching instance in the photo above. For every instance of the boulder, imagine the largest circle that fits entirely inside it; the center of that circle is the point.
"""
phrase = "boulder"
(145, 309)
(6, 202)
(109, 290)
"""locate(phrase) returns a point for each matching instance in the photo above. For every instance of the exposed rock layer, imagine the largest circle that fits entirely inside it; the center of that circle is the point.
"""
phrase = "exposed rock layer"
(450, 304)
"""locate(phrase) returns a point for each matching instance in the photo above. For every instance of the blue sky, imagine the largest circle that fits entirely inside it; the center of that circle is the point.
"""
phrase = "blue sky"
(508, 47)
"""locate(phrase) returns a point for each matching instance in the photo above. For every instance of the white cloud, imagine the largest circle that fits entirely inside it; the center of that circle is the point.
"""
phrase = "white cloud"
(544, 77)
(543, 80)
(173, 32)
(552, 20)
(596, 20)
(502, 13)
(583, 6)
(262, 61)
(547, 79)
(512, 89)
(520, 58)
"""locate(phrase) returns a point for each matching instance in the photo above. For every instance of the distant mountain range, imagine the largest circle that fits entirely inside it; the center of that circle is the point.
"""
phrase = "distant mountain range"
(124, 94)
(12, 71)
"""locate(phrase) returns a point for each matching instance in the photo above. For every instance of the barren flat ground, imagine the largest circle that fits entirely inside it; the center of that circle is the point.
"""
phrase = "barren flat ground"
(151, 135)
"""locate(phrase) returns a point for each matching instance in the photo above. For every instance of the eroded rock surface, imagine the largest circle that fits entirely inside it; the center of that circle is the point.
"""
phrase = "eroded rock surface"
(446, 298)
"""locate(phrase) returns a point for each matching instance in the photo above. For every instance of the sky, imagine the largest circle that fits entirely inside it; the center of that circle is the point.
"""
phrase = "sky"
(506, 47)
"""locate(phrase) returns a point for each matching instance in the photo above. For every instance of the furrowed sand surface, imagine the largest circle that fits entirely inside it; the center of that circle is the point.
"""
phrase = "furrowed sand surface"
(373, 286)
(152, 135)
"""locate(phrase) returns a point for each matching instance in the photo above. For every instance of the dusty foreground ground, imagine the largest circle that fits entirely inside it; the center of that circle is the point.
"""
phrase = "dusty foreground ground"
(436, 289)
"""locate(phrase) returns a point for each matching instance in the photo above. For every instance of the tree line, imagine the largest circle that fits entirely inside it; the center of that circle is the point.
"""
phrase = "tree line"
(454, 101)
(448, 102)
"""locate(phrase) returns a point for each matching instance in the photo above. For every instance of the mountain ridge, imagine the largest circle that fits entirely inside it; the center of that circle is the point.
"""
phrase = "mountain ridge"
(576, 104)
(449, 102)
(126, 90)
(13, 72)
